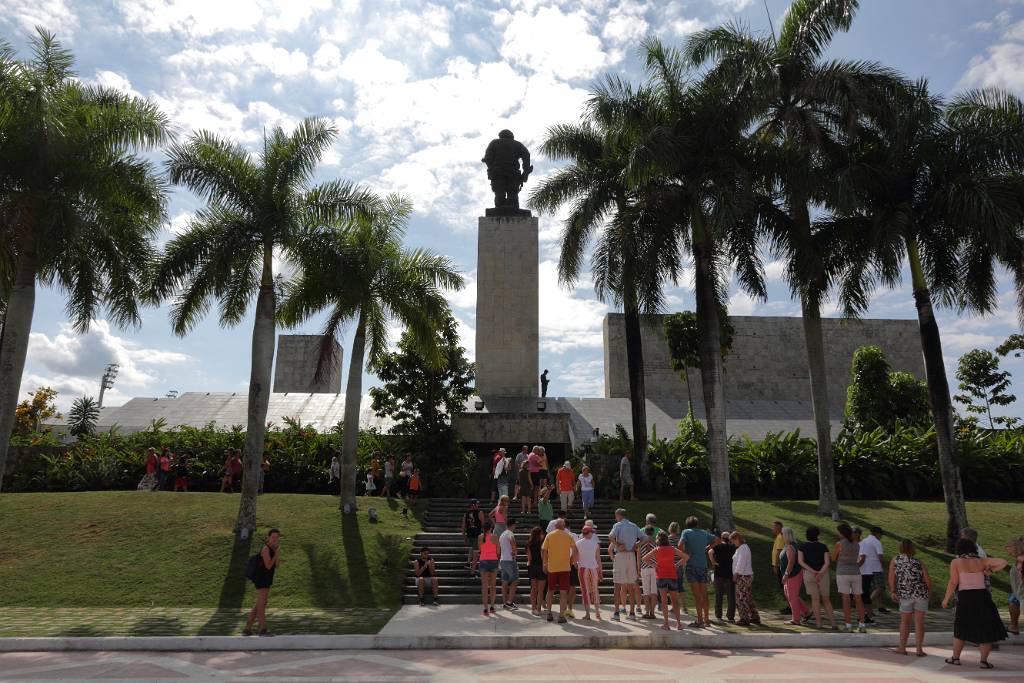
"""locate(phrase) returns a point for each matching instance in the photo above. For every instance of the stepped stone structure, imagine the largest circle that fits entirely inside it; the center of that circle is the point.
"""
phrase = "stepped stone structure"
(768, 360)
(295, 365)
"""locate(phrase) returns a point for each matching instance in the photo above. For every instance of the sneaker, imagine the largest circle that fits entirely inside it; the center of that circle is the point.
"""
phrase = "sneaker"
(492, 609)
(513, 606)
(505, 605)
(862, 629)
(649, 616)
(569, 613)
(633, 617)
(551, 617)
(561, 620)
(615, 616)
(436, 603)
(423, 603)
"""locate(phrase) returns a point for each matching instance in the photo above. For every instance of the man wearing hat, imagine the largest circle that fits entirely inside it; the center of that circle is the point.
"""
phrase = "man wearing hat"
(566, 480)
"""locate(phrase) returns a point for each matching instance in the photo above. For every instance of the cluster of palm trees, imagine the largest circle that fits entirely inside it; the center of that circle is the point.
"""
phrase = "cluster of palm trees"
(739, 144)
(82, 203)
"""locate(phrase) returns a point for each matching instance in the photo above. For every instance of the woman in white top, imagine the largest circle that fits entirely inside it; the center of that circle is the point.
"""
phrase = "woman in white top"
(585, 484)
(743, 577)
(589, 564)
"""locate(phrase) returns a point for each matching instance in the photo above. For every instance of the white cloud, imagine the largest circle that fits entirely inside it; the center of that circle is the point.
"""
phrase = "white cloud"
(568, 322)
(179, 222)
(741, 303)
(466, 297)
(204, 18)
(683, 27)
(554, 42)
(625, 24)
(56, 16)
(368, 65)
(1003, 67)
(580, 378)
(72, 362)
(733, 5)
(115, 80)
(467, 338)
(242, 61)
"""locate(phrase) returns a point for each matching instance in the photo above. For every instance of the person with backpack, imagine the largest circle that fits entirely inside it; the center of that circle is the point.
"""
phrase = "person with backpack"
(260, 570)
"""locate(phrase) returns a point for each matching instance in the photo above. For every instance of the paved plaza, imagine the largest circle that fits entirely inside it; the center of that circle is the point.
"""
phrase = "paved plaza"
(412, 666)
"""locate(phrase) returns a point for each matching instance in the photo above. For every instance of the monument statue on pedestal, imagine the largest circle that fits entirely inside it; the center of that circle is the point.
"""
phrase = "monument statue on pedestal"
(544, 381)
(503, 158)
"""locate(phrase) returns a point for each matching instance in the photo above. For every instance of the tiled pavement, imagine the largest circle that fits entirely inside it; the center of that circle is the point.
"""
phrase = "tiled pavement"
(167, 621)
(654, 666)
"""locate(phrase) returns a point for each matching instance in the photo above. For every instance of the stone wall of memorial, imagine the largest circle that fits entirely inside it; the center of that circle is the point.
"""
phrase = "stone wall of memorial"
(768, 361)
(296, 363)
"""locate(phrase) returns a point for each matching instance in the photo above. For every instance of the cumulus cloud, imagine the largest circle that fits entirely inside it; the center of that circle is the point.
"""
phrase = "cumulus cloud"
(204, 18)
(568, 321)
(1002, 66)
(73, 363)
(555, 42)
(57, 16)
(240, 62)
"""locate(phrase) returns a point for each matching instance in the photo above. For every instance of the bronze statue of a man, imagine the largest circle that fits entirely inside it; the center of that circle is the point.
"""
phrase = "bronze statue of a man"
(503, 158)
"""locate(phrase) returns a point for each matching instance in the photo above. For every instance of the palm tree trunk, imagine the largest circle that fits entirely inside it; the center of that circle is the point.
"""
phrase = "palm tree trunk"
(17, 327)
(689, 392)
(938, 396)
(828, 502)
(350, 433)
(263, 333)
(711, 373)
(637, 393)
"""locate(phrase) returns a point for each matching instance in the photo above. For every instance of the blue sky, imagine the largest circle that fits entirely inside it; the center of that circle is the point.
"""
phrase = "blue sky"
(417, 89)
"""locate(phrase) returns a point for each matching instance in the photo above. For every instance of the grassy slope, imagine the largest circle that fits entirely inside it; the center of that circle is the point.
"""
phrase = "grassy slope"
(130, 549)
(922, 522)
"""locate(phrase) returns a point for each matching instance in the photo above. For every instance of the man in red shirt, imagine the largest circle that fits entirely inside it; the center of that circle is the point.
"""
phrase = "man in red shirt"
(566, 480)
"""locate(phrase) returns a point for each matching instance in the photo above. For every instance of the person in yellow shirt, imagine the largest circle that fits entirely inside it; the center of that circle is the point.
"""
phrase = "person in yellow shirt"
(777, 546)
(558, 553)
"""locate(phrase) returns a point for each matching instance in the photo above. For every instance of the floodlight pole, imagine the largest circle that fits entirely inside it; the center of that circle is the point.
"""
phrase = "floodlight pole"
(107, 381)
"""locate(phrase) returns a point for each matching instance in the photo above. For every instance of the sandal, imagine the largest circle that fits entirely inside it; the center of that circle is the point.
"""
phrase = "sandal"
(985, 665)
(953, 660)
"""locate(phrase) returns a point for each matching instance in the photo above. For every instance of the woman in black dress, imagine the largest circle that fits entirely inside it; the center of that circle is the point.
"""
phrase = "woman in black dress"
(263, 579)
(538, 579)
(976, 619)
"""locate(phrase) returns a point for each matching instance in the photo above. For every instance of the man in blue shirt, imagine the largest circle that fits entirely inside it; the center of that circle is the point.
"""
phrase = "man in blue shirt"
(622, 540)
(695, 543)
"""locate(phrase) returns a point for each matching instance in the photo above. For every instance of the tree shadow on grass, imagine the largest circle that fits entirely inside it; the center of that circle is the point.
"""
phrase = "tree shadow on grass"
(157, 626)
(232, 590)
(327, 587)
(82, 631)
(354, 549)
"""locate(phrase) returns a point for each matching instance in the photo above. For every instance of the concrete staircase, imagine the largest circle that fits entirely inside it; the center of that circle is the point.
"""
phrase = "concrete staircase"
(441, 532)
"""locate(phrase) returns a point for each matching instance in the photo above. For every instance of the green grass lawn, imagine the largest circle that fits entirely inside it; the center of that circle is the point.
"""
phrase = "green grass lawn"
(922, 522)
(130, 549)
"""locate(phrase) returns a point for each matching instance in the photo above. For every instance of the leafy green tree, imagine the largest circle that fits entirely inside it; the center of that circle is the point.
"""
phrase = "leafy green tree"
(1014, 344)
(940, 185)
(365, 274)
(255, 204)
(422, 398)
(83, 416)
(984, 385)
(878, 397)
(801, 105)
(629, 264)
(79, 206)
(683, 337)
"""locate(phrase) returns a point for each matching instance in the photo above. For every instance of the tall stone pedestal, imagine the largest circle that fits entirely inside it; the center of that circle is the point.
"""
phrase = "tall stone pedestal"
(507, 320)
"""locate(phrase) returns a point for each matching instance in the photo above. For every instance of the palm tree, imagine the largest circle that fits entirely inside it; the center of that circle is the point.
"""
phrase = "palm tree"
(628, 266)
(801, 108)
(365, 274)
(79, 208)
(254, 205)
(690, 157)
(82, 417)
(942, 186)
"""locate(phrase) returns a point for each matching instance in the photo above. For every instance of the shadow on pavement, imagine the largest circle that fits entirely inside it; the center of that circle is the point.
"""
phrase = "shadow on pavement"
(232, 590)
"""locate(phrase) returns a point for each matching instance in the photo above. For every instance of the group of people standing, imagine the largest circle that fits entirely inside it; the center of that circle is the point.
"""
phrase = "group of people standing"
(385, 477)
(528, 478)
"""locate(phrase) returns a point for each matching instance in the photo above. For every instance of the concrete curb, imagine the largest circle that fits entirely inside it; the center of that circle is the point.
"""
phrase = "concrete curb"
(685, 641)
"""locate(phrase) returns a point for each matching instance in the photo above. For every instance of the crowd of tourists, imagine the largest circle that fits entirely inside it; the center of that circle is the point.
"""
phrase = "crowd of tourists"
(167, 470)
(652, 567)
(386, 477)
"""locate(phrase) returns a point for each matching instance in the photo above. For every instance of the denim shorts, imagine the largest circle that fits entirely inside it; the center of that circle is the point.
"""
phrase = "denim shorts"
(671, 585)
(696, 574)
(588, 498)
(488, 566)
(908, 605)
(509, 571)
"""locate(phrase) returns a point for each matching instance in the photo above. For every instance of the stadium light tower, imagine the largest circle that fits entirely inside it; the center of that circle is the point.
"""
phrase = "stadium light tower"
(109, 375)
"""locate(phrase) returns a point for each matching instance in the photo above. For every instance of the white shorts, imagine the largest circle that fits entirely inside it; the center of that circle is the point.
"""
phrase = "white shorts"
(624, 568)
(649, 579)
(848, 584)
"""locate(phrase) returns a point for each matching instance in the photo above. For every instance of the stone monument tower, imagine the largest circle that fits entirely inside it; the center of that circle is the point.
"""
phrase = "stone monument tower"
(507, 321)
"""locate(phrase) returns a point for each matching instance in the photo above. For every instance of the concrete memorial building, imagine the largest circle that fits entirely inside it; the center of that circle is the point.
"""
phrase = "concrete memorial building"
(766, 380)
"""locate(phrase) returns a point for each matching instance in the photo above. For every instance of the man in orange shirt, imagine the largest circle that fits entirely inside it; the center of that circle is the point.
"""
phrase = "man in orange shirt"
(566, 479)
